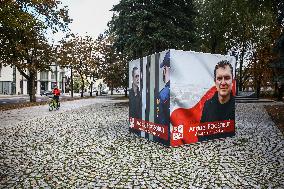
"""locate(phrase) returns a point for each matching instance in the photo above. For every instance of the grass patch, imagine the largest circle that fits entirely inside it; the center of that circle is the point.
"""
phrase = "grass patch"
(276, 112)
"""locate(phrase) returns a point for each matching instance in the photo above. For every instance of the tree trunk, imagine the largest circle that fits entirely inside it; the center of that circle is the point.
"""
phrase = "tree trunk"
(31, 87)
(213, 48)
(91, 92)
(82, 87)
(125, 91)
(275, 90)
(154, 47)
(258, 88)
(280, 92)
(111, 90)
(71, 82)
(213, 45)
(140, 53)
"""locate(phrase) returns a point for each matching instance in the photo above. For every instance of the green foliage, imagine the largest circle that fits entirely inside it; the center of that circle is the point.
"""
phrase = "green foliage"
(112, 66)
(145, 27)
(79, 53)
(22, 28)
(237, 25)
(222, 25)
(22, 35)
(213, 25)
(77, 84)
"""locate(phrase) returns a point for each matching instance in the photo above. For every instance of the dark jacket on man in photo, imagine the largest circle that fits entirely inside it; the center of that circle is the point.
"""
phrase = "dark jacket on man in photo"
(135, 108)
(164, 105)
(135, 104)
(215, 111)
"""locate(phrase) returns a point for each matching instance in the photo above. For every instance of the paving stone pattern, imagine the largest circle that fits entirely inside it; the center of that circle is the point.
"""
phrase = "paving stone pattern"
(90, 147)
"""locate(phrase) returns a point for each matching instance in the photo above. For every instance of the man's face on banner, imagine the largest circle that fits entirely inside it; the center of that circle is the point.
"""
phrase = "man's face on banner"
(136, 78)
(224, 81)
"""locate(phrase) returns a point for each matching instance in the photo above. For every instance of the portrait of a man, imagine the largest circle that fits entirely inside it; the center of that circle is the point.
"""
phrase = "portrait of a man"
(163, 100)
(135, 110)
(222, 105)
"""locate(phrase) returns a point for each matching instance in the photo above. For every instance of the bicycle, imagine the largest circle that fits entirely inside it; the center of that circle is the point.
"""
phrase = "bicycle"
(52, 105)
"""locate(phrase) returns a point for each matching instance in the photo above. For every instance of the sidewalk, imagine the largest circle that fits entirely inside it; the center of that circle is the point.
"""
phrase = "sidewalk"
(86, 144)
(37, 95)
(12, 96)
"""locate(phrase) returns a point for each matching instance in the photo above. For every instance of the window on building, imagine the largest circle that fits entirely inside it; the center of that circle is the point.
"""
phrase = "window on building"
(21, 84)
(52, 75)
(43, 75)
(62, 74)
(5, 87)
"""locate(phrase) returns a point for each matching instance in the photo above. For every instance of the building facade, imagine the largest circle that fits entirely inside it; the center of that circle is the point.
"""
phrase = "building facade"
(46, 80)
(12, 82)
(6, 79)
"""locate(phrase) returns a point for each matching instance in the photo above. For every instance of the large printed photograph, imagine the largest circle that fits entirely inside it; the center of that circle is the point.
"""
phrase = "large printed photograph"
(135, 100)
(149, 97)
(181, 97)
(202, 97)
(162, 96)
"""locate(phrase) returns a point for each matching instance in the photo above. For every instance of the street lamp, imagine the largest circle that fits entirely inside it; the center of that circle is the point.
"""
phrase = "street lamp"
(235, 54)
(63, 85)
(55, 62)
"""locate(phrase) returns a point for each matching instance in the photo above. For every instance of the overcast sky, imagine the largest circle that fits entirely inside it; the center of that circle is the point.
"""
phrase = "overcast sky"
(90, 17)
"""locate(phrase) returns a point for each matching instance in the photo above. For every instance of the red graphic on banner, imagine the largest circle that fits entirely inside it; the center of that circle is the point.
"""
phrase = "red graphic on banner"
(188, 133)
(158, 130)
(184, 120)
(211, 128)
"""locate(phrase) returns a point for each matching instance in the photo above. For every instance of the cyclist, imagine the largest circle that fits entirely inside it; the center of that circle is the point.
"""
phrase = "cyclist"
(56, 95)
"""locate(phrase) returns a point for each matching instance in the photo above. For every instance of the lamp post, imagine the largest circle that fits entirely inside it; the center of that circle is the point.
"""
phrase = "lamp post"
(56, 48)
(235, 54)
(55, 75)
(71, 81)
(63, 84)
(14, 80)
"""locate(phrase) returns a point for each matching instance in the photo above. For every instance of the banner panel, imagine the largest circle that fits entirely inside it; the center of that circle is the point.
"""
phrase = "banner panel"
(149, 84)
(181, 97)
(162, 94)
(135, 85)
(202, 97)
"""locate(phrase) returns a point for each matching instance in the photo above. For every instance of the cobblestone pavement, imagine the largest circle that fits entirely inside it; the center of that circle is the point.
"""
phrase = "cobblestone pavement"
(90, 147)
(16, 115)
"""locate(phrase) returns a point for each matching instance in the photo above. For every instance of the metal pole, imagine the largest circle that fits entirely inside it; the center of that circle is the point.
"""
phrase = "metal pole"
(14, 80)
(56, 66)
(236, 78)
(71, 82)
(56, 73)
(62, 84)
(235, 54)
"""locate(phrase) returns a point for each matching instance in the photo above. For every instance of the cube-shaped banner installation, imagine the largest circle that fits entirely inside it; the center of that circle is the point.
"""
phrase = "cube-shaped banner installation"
(180, 97)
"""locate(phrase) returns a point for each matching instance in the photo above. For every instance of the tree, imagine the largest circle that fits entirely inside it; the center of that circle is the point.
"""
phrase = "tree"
(22, 35)
(78, 52)
(278, 63)
(210, 21)
(241, 25)
(251, 30)
(143, 27)
(258, 68)
(112, 66)
(264, 53)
